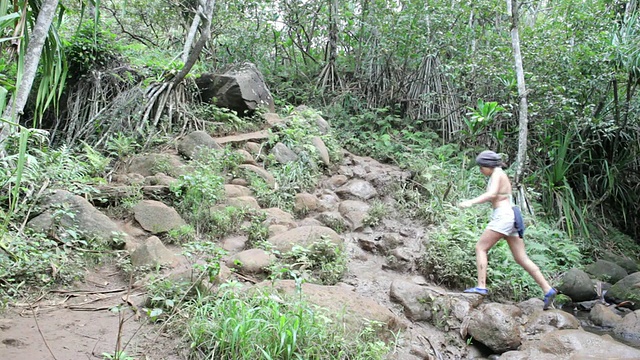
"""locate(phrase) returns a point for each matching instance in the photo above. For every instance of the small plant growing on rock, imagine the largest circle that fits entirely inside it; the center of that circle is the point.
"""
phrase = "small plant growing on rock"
(376, 213)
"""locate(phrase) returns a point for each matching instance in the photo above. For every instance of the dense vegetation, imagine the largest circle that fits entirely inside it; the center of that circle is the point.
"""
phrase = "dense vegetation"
(424, 85)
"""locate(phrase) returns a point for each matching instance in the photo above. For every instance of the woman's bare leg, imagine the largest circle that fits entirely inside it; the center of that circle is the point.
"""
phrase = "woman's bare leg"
(486, 242)
(516, 245)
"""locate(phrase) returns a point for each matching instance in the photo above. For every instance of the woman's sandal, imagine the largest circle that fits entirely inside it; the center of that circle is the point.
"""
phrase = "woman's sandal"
(548, 298)
(477, 290)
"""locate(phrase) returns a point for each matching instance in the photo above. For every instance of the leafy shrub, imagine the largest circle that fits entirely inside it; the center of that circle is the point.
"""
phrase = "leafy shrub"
(261, 326)
(36, 260)
(90, 48)
(323, 262)
(200, 189)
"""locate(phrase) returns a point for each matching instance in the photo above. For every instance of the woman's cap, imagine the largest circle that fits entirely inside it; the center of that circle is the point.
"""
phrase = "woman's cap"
(489, 159)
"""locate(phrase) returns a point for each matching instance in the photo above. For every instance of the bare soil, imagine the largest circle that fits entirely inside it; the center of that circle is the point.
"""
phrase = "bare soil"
(78, 322)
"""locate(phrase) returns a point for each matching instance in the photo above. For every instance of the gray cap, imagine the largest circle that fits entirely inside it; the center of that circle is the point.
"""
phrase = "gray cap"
(489, 159)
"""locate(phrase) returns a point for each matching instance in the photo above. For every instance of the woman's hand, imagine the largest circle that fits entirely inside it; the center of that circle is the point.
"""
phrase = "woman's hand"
(465, 204)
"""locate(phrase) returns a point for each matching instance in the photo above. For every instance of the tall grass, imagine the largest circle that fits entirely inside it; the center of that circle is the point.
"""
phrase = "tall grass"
(261, 325)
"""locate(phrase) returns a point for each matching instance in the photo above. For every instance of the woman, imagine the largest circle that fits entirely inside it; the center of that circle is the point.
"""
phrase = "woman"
(501, 226)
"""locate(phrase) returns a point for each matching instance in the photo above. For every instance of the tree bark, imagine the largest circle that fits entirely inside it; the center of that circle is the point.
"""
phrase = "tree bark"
(205, 12)
(523, 122)
(191, 35)
(31, 60)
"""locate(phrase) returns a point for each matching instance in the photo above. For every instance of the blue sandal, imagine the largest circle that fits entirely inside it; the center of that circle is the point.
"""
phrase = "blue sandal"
(548, 298)
(477, 290)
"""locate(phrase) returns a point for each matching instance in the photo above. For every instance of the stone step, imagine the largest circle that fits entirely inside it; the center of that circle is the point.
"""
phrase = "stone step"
(256, 135)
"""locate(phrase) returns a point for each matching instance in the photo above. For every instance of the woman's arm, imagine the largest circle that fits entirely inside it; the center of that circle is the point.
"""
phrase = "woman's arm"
(489, 195)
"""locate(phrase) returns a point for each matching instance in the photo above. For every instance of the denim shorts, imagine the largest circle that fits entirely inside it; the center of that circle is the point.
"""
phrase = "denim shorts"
(503, 221)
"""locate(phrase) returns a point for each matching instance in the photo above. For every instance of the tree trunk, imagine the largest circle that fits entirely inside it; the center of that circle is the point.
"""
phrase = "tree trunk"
(31, 60)
(190, 36)
(521, 159)
(205, 12)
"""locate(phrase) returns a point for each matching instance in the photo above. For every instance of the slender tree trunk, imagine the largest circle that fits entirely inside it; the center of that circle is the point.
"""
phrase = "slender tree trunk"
(205, 12)
(31, 60)
(521, 159)
(191, 36)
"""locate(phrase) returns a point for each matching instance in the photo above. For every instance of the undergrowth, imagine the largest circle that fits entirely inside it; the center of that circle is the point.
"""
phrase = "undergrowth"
(260, 325)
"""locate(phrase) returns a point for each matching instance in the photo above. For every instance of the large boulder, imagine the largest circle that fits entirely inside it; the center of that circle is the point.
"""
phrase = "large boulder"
(497, 326)
(241, 88)
(606, 271)
(355, 212)
(627, 263)
(304, 236)
(572, 344)
(153, 253)
(577, 285)
(626, 289)
(347, 307)
(629, 328)
(156, 217)
(602, 315)
(152, 164)
(191, 145)
(357, 189)
(66, 211)
(252, 261)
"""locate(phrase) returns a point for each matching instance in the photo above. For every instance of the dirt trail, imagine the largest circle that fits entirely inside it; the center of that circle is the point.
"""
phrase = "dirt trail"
(77, 323)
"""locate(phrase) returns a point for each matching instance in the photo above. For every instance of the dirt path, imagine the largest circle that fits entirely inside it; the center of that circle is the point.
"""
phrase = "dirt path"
(77, 322)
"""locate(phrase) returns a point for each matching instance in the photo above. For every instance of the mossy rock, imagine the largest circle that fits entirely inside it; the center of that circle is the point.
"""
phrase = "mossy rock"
(627, 289)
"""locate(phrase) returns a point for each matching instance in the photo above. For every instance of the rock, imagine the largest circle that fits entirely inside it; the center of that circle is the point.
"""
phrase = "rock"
(358, 189)
(414, 298)
(232, 191)
(496, 326)
(400, 259)
(317, 142)
(309, 222)
(252, 261)
(530, 306)
(268, 178)
(602, 315)
(629, 328)
(390, 241)
(152, 253)
(277, 229)
(157, 217)
(304, 203)
(541, 322)
(247, 158)
(630, 265)
(304, 236)
(273, 119)
(152, 164)
(572, 344)
(242, 138)
(68, 211)
(159, 179)
(191, 145)
(276, 216)
(234, 243)
(253, 148)
(333, 220)
(283, 154)
(345, 306)
(606, 271)
(626, 289)
(244, 202)
(241, 88)
(328, 201)
(355, 212)
(577, 285)
(240, 182)
(335, 182)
